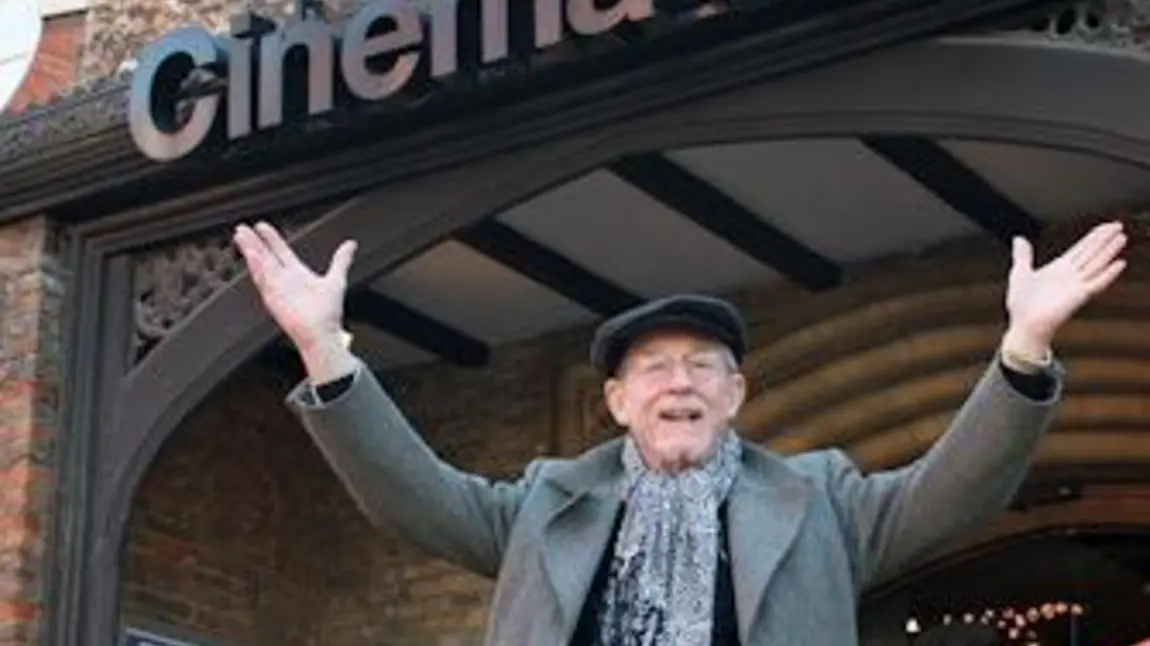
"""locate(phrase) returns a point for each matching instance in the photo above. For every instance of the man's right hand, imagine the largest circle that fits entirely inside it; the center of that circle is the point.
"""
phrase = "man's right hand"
(307, 306)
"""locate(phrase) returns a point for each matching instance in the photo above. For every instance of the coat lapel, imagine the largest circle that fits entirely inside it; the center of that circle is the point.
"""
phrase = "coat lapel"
(578, 532)
(767, 506)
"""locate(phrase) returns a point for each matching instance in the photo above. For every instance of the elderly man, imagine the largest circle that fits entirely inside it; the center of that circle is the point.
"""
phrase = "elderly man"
(680, 533)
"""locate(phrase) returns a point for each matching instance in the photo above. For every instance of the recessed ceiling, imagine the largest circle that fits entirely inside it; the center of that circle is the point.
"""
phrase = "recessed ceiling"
(834, 194)
(602, 222)
(788, 208)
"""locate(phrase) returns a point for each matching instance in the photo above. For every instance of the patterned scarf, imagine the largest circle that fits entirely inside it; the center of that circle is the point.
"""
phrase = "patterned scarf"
(661, 587)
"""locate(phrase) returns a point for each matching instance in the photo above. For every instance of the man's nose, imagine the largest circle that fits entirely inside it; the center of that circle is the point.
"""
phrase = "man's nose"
(680, 377)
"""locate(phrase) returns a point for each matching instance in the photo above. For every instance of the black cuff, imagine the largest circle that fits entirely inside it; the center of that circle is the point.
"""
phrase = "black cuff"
(333, 389)
(1039, 386)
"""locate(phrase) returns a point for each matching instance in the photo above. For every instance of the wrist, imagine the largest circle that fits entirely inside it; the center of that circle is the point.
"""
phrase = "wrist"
(327, 357)
(1025, 351)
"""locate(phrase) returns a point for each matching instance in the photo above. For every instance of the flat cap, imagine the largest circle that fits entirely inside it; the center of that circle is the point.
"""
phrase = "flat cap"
(704, 315)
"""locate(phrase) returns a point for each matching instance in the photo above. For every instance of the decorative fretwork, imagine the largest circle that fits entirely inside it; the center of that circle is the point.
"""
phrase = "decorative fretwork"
(1113, 23)
(172, 281)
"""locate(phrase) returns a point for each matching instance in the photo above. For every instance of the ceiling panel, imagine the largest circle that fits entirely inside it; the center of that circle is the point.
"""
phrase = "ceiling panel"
(834, 195)
(1054, 184)
(617, 231)
(381, 349)
(478, 296)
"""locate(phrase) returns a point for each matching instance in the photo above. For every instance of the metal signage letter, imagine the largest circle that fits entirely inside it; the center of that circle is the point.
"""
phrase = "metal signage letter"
(587, 19)
(316, 37)
(154, 118)
(358, 47)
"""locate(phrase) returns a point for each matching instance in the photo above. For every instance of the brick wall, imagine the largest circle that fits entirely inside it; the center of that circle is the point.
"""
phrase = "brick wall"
(117, 30)
(30, 299)
(56, 66)
(241, 530)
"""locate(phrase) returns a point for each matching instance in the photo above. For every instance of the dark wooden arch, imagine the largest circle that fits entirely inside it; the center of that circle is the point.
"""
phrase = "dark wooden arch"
(978, 549)
(118, 414)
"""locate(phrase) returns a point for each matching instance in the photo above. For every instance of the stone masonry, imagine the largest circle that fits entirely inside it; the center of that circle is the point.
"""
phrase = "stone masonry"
(30, 301)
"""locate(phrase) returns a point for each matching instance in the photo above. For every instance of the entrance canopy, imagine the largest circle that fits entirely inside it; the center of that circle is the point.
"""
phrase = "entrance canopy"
(721, 218)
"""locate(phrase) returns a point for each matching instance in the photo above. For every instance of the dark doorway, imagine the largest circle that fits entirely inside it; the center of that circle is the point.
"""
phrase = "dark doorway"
(1077, 588)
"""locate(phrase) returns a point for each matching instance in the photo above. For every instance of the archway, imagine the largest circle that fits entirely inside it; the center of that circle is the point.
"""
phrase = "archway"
(122, 412)
(1060, 586)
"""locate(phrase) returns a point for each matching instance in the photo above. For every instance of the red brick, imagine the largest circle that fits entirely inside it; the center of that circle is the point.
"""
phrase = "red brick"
(56, 65)
(28, 415)
(17, 610)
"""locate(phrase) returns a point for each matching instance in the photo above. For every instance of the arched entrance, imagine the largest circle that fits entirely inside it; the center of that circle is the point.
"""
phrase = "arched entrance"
(125, 405)
(1084, 588)
(1073, 571)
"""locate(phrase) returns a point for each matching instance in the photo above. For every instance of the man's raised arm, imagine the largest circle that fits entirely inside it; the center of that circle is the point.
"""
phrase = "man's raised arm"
(394, 477)
(892, 518)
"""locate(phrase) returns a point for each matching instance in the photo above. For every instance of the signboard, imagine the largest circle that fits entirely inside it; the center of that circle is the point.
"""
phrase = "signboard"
(20, 30)
(371, 56)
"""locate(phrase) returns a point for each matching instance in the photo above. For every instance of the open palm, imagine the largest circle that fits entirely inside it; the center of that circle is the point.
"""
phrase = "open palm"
(1039, 301)
(306, 305)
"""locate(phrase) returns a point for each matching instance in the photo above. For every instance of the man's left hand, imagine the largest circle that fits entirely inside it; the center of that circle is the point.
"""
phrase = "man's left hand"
(1039, 301)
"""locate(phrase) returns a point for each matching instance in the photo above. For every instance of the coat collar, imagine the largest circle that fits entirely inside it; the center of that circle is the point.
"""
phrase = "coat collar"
(767, 506)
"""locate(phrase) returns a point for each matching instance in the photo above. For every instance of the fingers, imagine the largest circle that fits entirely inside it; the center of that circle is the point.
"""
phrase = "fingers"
(1023, 254)
(1099, 282)
(341, 261)
(1104, 255)
(257, 256)
(1092, 242)
(275, 242)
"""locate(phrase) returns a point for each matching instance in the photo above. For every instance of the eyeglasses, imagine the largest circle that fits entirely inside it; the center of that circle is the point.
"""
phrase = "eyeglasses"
(698, 368)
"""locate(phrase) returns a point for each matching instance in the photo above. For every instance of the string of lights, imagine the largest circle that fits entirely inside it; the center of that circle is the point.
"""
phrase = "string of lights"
(1019, 625)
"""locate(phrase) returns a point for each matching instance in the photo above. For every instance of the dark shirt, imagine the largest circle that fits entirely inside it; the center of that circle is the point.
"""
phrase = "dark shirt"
(724, 630)
(725, 627)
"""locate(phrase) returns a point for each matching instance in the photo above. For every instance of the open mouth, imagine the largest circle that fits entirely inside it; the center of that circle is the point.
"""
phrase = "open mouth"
(680, 415)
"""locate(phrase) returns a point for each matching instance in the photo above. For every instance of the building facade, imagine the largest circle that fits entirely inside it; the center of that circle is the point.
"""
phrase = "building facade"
(846, 172)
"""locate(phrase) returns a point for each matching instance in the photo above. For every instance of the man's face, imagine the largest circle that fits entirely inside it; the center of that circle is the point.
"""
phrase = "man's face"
(676, 393)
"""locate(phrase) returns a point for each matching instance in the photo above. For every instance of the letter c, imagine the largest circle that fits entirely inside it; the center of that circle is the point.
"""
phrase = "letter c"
(162, 66)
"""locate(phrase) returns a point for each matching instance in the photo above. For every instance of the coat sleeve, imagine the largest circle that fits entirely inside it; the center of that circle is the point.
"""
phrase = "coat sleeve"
(891, 518)
(397, 481)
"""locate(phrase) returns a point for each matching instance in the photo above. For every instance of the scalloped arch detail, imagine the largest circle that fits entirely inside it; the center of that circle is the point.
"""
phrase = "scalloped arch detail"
(884, 379)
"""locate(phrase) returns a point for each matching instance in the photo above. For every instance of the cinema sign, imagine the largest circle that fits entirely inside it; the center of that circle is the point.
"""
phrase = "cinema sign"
(373, 55)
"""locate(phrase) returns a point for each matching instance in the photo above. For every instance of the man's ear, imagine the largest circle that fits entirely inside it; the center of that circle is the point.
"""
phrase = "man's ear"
(738, 395)
(613, 398)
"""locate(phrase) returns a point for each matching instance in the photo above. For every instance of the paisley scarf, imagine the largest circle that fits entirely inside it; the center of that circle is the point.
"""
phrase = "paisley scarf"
(661, 586)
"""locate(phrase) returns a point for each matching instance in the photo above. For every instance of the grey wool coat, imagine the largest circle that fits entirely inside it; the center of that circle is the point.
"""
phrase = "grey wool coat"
(807, 533)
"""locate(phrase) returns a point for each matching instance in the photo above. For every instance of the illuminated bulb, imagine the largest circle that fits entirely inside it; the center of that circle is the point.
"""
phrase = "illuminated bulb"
(968, 618)
(1014, 633)
(1076, 609)
(912, 627)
